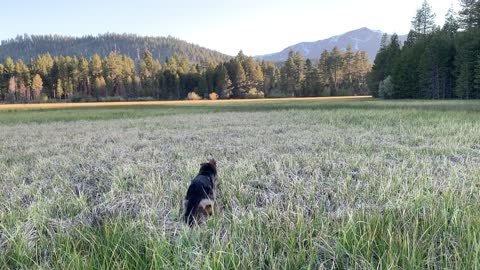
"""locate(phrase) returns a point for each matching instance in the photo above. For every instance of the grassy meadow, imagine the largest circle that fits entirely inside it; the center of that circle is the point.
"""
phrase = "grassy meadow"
(304, 184)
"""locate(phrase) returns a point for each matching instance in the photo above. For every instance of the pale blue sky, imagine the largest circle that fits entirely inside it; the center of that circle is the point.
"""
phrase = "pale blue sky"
(255, 26)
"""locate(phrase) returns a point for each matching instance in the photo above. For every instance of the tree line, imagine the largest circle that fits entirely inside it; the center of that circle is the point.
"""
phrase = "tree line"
(335, 73)
(118, 76)
(435, 62)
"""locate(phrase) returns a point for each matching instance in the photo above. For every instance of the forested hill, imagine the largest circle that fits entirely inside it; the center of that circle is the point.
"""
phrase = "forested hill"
(29, 46)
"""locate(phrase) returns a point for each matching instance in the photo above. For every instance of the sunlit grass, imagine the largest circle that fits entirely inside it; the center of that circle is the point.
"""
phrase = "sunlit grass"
(150, 103)
(347, 184)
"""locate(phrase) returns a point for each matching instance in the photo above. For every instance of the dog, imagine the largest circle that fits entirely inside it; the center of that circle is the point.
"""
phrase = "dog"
(200, 198)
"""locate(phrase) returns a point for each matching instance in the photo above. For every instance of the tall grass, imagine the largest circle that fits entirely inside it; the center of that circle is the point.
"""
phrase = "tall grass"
(303, 185)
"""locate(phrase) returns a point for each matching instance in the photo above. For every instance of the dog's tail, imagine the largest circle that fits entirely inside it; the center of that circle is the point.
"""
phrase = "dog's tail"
(191, 211)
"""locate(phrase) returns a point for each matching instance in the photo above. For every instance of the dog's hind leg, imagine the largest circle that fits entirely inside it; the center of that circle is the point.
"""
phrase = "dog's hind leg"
(206, 205)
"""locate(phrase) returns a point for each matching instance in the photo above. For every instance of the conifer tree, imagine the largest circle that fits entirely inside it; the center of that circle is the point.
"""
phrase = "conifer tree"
(424, 20)
(311, 85)
(348, 62)
(270, 77)
(238, 76)
(451, 24)
(3, 85)
(37, 86)
(336, 60)
(12, 88)
(470, 14)
(59, 89)
(222, 82)
(95, 66)
(288, 75)
(299, 74)
(476, 80)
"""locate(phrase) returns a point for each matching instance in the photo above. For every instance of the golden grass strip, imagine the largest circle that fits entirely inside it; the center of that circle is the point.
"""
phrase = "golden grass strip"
(176, 102)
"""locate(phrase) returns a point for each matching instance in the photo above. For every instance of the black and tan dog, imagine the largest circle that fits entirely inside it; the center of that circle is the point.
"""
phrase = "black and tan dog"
(200, 197)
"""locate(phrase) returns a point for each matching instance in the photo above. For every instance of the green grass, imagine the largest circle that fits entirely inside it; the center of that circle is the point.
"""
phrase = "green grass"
(351, 184)
(14, 116)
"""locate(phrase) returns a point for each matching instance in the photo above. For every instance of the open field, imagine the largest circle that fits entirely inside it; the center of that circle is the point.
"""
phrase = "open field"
(305, 184)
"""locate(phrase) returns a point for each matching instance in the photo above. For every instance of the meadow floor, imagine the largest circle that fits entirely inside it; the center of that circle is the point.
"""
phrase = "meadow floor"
(305, 184)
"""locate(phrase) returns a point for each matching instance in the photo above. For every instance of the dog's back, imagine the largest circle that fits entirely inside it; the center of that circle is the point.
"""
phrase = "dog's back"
(197, 191)
(200, 195)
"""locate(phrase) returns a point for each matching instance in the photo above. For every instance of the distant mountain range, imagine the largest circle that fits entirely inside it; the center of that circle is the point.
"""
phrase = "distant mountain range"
(29, 46)
(362, 39)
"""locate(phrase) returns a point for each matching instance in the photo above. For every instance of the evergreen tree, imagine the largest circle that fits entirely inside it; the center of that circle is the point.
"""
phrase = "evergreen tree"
(436, 67)
(12, 89)
(470, 14)
(37, 86)
(223, 83)
(210, 78)
(311, 86)
(59, 89)
(299, 74)
(149, 67)
(386, 88)
(348, 62)
(42, 65)
(405, 75)
(22, 74)
(383, 64)
(83, 76)
(361, 69)
(9, 67)
(384, 41)
(476, 80)
(467, 48)
(324, 70)
(69, 89)
(270, 77)
(3, 83)
(238, 76)
(336, 60)
(115, 74)
(451, 24)
(99, 86)
(8, 82)
(95, 66)
(288, 74)
(424, 20)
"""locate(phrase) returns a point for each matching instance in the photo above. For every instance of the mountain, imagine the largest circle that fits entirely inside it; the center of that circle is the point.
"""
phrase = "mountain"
(362, 39)
(29, 46)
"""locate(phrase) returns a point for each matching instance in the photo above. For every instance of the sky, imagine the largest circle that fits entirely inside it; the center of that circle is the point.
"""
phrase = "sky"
(254, 26)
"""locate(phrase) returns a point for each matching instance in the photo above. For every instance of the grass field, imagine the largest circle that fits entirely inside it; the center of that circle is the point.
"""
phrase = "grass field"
(305, 184)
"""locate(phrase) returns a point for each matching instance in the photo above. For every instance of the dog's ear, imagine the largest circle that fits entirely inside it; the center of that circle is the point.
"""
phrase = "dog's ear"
(213, 162)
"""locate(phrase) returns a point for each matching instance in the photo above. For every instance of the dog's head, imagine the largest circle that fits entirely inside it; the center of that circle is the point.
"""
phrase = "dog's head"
(209, 167)
(212, 163)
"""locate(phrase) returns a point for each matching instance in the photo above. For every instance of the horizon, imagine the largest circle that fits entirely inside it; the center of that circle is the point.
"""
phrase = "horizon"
(199, 24)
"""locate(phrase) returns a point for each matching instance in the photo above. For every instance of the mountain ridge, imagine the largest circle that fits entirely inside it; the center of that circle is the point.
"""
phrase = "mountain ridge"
(360, 39)
(29, 46)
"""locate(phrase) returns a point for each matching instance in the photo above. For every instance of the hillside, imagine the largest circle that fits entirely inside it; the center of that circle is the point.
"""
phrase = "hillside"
(362, 39)
(28, 46)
